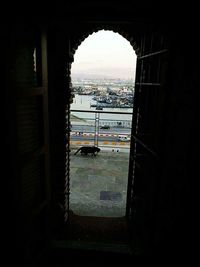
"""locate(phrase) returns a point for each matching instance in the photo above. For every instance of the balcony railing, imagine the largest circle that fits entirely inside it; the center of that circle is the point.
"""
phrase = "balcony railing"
(100, 128)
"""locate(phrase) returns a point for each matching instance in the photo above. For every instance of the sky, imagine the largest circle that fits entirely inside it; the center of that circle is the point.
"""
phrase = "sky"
(104, 54)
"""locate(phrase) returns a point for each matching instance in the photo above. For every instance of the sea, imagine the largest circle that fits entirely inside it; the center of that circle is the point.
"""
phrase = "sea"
(83, 103)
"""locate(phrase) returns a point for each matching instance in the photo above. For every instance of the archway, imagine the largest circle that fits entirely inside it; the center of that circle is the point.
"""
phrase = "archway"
(99, 184)
(146, 133)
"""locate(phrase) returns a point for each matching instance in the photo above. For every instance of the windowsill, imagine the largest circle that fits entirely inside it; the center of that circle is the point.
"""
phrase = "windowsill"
(96, 234)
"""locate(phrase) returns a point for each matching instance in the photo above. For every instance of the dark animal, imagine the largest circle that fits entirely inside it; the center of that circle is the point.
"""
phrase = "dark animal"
(88, 149)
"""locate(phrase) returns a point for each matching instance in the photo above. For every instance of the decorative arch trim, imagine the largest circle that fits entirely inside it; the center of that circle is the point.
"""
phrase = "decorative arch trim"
(84, 34)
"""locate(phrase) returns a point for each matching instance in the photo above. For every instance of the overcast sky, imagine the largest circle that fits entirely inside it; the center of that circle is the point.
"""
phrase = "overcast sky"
(104, 54)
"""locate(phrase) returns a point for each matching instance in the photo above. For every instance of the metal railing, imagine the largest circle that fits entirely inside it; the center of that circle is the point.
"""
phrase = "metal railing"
(100, 128)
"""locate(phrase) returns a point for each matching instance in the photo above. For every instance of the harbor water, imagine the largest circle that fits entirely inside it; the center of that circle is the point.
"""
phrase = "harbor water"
(83, 103)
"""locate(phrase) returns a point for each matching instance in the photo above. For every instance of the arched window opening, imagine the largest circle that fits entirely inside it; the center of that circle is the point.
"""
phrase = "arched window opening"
(103, 76)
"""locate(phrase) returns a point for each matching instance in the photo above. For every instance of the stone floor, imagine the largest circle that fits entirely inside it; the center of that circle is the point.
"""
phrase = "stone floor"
(98, 185)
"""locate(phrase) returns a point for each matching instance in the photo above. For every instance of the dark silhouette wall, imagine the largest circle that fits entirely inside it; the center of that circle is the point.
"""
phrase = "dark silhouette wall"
(32, 201)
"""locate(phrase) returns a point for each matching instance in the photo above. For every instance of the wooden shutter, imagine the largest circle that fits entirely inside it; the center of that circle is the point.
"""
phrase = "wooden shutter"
(32, 136)
(146, 129)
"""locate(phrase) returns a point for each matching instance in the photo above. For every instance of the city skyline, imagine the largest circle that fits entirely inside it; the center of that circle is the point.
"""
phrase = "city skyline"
(104, 54)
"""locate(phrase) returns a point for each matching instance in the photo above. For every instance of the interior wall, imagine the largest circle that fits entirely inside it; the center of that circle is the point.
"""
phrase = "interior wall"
(173, 217)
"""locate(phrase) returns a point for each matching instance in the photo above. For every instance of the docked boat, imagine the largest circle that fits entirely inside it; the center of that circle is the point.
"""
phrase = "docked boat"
(99, 108)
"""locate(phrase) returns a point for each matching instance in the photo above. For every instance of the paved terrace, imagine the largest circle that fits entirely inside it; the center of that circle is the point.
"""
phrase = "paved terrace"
(98, 185)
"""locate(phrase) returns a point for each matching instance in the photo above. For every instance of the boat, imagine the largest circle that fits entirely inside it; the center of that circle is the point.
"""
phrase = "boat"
(99, 108)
